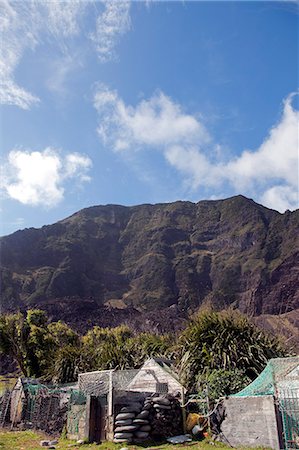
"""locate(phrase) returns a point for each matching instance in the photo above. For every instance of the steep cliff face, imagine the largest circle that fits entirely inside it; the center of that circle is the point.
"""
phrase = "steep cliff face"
(150, 257)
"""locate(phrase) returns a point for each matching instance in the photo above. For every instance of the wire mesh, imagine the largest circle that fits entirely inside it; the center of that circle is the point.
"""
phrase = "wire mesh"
(289, 407)
(278, 372)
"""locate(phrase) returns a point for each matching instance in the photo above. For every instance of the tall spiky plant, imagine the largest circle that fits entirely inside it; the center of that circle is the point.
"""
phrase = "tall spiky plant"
(224, 340)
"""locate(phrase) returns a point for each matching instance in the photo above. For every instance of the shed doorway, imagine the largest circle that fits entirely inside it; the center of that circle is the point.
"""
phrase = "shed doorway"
(97, 420)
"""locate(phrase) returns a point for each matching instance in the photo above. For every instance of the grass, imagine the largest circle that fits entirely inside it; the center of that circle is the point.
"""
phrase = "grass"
(29, 440)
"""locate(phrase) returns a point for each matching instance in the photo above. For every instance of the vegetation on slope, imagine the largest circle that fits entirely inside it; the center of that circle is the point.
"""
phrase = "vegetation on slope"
(226, 342)
(225, 252)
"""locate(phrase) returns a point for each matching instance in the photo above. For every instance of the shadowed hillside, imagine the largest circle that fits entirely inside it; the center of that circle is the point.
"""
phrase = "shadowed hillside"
(128, 261)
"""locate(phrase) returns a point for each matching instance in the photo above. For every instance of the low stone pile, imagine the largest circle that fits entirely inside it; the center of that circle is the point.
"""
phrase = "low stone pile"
(157, 418)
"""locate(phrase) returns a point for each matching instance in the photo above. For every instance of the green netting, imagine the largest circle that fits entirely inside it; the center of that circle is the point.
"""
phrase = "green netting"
(77, 398)
(76, 413)
(277, 372)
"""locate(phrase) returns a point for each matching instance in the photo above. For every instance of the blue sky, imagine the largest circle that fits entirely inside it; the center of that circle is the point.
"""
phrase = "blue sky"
(145, 102)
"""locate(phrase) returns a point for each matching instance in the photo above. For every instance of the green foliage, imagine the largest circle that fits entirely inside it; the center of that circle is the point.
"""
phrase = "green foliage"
(23, 339)
(223, 349)
(32, 342)
(224, 340)
(104, 348)
(220, 383)
(147, 345)
(64, 368)
(62, 335)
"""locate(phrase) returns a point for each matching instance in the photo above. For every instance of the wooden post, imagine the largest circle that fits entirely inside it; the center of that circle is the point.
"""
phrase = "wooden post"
(87, 419)
(110, 407)
(184, 412)
(110, 394)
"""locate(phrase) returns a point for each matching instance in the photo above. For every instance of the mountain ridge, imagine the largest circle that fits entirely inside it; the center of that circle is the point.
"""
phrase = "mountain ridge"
(231, 252)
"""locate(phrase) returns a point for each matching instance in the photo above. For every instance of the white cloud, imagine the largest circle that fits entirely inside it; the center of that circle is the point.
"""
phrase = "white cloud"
(277, 157)
(38, 177)
(269, 173)
(111, 24)
(16, 36)
(63, 17)
(281, 197)
(157, 122)
(25, 25)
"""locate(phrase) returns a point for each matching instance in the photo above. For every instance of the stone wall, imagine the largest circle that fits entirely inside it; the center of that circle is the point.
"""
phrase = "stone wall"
(251, 422)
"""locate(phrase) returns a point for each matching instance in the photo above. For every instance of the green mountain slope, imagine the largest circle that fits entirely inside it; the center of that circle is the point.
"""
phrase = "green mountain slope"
(151, 257)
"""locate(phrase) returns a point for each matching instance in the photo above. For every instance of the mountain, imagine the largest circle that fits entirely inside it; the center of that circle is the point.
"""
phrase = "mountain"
(111, 263)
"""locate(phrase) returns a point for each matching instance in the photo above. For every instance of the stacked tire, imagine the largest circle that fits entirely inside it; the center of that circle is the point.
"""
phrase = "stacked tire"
(157, 418)
(132, 424)
(166, 417)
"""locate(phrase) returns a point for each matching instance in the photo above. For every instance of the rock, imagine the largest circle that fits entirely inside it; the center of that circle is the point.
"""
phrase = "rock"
(44, 443)
(120, 441)
(55, 442)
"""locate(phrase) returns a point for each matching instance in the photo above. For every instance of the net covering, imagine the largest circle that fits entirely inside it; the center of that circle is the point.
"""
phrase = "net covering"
(278, 372)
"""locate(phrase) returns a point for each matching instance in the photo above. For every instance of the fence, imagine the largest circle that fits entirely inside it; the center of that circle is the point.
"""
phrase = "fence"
(288, 401)
(35, 405)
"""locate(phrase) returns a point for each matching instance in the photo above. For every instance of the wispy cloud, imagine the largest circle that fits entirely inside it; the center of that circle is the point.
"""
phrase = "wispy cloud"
(16, 36)
(25, 25)
(111, 24)
(38, 177)
(269, 173)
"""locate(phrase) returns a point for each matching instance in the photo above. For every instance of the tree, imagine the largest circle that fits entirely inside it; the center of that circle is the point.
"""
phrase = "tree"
(26, 340)
(105, 348)
(33, 343)
(224, 340)
(218, 383)
(147, 345)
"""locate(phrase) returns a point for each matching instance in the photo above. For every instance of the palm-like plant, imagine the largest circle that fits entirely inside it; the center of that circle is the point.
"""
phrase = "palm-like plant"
(224, 340)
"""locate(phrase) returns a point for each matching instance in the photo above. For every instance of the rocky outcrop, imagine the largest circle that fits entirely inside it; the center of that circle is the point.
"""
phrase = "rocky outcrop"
(151, 257)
